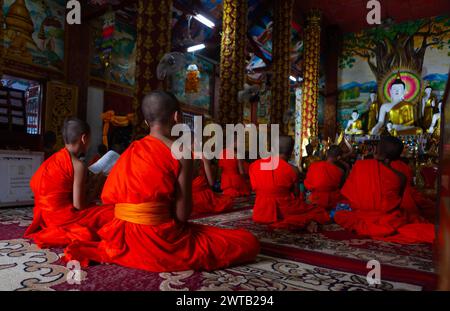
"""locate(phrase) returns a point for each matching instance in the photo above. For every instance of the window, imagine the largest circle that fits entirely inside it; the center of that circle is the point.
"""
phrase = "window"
(33, 99)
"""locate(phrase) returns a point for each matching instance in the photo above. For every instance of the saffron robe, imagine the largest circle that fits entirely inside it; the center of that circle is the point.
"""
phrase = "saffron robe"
(275, 202)
(204, 200)
(233, 184)
(56, 222)
(374, 193)
(414, 202)
(324, 179)
(144, 233)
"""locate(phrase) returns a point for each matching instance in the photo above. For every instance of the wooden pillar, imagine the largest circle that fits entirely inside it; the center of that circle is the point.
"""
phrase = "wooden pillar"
(333, 40)
(77, 63)
(232, 60)
(281, 63)
(1, 38)
(154, 24)
(310, 91)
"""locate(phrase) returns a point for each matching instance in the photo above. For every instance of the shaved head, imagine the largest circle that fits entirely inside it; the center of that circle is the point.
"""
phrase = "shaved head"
(286, 145)
(159, 107)
(334, 152)
(73, 129)
(390, 148)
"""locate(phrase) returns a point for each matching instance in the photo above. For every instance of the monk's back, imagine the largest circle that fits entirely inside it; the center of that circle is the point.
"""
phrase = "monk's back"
(280, 179)
(52, 183)
(323, 176)
(145, 172)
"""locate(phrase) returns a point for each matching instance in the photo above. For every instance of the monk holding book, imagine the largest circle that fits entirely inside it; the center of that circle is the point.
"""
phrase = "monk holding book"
(62, 212)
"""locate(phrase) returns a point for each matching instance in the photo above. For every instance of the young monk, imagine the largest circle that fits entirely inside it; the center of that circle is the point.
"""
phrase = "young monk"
(152, 194)
(232, 178)
(61, 212)
(277, 193)
(203, 198)
(325, 178)
(374, 190)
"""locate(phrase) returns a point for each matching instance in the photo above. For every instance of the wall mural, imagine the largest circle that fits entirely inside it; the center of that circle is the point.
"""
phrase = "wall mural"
(122, 63)
(416, 51)
(200, 96)
(34, 32)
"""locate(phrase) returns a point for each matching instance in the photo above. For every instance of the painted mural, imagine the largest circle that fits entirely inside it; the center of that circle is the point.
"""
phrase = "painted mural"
(201, 98)
(121, 47)
(418, 50)
(34, 32)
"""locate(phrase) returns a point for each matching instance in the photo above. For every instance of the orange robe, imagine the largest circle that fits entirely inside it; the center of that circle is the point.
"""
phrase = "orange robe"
(275, 203)
(233, 184)
(323, 179)
(204, 200)
(144, 233)
(56, 222)
(373, 191)
(413, 201)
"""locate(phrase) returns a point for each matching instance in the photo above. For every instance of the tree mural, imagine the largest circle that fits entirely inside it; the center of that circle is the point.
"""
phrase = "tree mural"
(397, 45)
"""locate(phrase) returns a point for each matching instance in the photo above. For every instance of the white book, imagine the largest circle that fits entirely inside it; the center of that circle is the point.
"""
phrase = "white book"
(105, 163)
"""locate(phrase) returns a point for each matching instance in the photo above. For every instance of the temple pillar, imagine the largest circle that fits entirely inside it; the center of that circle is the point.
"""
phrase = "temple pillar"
(154, 24)
(333, 45)
(281, 63)
(310, 89)
(232, 60)
(1, 38)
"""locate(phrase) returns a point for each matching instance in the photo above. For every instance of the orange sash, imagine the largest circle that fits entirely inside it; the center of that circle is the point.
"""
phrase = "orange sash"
(148, 213)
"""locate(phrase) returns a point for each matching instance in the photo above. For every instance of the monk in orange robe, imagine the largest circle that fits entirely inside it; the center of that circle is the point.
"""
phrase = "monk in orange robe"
(232, 178)
(152, 194)
(417, 206)
(203, 198)
(374, 190)
(325, 178)
(61, 213)
(277, 193)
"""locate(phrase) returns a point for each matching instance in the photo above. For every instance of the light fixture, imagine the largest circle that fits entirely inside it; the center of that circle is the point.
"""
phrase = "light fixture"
(196, 47)
(292, 78)
(204, 20)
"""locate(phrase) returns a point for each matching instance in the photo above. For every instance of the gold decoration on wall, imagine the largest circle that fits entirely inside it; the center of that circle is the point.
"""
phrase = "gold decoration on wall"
(154, 24)
(109, 118)
(61, 103)
(232, 60)
(310, 95)
(281, 64)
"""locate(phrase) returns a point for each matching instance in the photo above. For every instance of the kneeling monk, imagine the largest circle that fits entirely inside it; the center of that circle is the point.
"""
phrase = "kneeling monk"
(59, 186)
(152, 194)
(374, 190)
(277, 201)
(232, 178)
(324, 179)
(204, 200)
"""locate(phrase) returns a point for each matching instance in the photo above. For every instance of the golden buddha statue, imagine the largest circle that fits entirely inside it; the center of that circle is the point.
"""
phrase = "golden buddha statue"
(435, 126)
(374, 109)
(400, 113)
(426, 108)
(354, 125)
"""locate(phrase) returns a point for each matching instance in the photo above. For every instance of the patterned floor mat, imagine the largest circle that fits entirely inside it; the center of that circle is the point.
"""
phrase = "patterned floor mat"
(331, 260)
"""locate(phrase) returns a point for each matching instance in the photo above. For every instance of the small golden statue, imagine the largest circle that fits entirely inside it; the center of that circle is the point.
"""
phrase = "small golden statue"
(354, 125)
(374, 109)
(427, 105)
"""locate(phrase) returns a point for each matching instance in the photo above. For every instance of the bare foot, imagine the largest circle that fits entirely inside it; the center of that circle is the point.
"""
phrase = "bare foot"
(312, 227)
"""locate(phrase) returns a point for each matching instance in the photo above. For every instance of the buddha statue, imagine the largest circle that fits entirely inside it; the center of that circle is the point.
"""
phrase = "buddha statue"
(435, 127)
(400, 113)
(373, 109)
(426, 107)
(354, 125)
